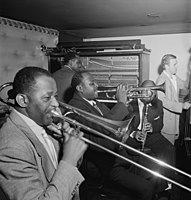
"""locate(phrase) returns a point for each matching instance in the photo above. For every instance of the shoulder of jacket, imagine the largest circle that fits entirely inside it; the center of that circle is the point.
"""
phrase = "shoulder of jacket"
(160, 102)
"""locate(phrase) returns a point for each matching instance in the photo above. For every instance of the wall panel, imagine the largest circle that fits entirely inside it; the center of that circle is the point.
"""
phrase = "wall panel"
(20, 46)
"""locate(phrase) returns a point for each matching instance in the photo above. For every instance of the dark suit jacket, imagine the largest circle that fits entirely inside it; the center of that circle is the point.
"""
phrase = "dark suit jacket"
(155, 114)
(26, 171)
(155, 141)
(159, 145)
(63, 78)
(118, 112)
(97, 156)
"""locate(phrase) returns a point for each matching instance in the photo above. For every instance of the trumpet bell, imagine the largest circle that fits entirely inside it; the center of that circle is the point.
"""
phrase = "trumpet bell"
(145, 92)
(159, 87)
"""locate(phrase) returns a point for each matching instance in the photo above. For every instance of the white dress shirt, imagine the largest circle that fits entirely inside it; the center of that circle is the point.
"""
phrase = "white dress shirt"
(42, 137)
(141, 106)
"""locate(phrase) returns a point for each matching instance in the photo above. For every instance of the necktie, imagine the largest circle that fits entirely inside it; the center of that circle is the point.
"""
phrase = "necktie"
(50, 148)
(96, 107)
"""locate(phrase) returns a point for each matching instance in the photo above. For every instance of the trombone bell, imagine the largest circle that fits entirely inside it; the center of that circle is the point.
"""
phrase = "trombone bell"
(118, 128)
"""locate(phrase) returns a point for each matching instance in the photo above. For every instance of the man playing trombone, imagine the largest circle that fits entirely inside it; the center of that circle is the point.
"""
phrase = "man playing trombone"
(34, 165)
(84, 98)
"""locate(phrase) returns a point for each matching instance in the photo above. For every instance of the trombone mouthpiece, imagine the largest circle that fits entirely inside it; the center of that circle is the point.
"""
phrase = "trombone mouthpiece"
(55, 113)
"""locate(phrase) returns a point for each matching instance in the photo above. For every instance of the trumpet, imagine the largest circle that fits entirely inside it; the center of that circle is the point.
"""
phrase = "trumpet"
(136, 92)
(122, 130)
(107, 91)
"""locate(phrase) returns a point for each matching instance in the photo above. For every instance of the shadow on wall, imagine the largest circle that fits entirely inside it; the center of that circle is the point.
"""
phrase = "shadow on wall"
(160, 69)
(189, 65)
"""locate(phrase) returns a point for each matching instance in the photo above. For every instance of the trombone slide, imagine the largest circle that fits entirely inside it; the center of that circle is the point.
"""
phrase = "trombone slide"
(74, 122)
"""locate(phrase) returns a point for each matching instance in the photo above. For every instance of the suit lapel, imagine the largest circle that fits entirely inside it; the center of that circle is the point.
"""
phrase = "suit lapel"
(97, 110)
(46, 162)
(89, 107)
(171, 88)
(136, 112)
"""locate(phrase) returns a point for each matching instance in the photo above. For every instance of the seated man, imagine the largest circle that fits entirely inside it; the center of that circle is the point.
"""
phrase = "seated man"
(33, 164)
(148, 123)
(84, 97)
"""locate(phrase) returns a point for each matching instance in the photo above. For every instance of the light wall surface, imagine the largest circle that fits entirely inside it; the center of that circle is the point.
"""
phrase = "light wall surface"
(177, 44)
(20, 46)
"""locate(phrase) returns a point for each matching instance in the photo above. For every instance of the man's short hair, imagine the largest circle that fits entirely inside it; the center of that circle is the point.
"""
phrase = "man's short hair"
(25, 79)
(166, 59)
(77, 79)
(148, 83)
(69, 56)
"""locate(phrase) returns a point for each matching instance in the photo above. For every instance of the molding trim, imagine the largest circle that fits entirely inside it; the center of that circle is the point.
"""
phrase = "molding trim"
(26, 26)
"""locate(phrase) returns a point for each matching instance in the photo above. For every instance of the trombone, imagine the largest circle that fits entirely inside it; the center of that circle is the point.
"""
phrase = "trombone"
(121, 144)
(121, 130)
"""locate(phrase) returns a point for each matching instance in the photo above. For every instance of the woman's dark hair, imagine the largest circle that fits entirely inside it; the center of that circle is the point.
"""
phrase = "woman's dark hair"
(25, 79)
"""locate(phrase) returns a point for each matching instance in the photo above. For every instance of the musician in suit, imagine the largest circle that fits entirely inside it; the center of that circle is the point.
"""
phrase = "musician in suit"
(84, 97)
(63, 76)
(172, 106)
(150, 122)
(33, 165)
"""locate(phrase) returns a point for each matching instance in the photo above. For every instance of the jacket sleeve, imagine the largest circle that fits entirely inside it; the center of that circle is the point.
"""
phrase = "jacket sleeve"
(157, 120)
(118, 112)
(22, 178)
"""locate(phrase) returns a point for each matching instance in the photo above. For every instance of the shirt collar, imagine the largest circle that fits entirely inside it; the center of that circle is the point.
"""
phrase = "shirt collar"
(170, 76)
(67, 66)
(142, 104)
(32, 124)
(92, 102)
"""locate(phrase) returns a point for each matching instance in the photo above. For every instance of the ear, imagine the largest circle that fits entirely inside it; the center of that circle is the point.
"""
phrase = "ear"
(79, 88)
(22, 100)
